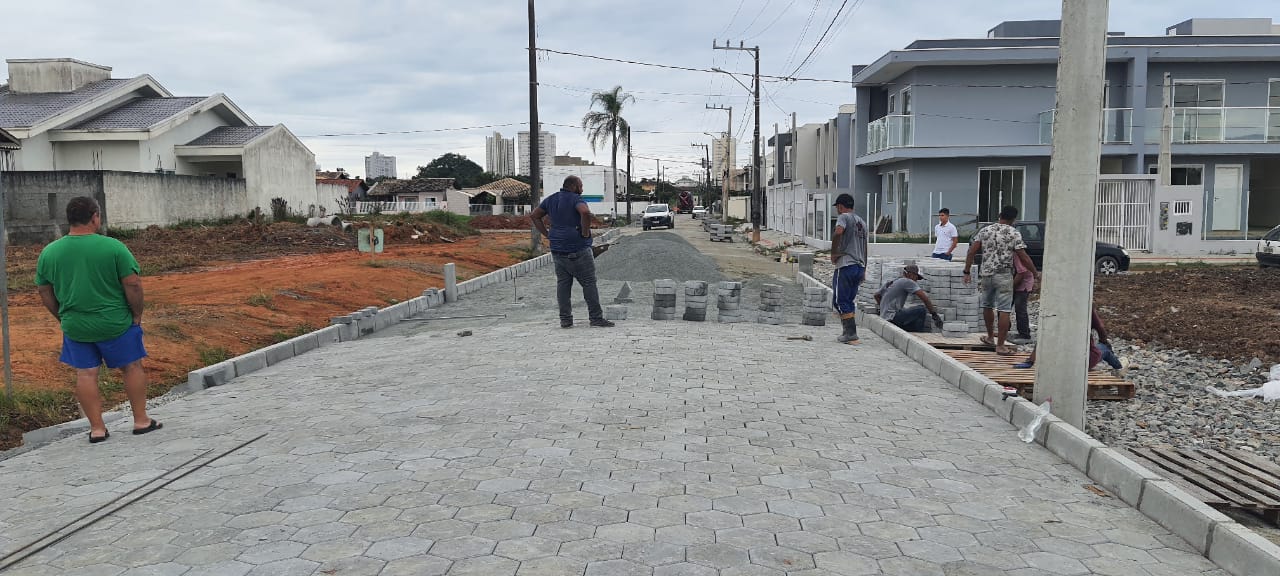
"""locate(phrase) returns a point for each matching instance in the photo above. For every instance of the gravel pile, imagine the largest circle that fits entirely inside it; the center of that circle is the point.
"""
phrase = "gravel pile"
(654, 256)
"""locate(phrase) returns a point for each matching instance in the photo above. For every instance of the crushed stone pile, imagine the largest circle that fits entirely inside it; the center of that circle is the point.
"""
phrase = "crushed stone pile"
(654, 256)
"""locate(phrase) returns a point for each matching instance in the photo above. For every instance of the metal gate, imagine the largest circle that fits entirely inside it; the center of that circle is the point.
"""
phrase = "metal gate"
(1124, 211)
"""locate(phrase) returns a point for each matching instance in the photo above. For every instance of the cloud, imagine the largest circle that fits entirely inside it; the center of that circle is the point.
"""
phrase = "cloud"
(339, 66)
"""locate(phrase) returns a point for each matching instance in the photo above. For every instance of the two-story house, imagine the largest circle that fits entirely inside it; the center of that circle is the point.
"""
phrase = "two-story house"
(967, 123)
(816, 161)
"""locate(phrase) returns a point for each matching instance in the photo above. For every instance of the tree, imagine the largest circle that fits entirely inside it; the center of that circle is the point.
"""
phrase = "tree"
(465, 173)
(608, 122)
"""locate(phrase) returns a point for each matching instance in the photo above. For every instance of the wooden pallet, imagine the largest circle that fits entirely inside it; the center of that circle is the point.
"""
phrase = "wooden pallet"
(1220, 478)
(1102, 386)
(970, 342)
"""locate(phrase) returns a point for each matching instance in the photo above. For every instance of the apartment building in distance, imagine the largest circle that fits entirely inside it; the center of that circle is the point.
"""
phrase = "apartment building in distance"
(500, 155)
(546, 150)
(968, 123)
(377, 165)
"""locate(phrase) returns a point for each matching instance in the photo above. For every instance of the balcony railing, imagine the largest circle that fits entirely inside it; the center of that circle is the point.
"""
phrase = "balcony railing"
(1117, 126)
(895, 131)
(1216, 125)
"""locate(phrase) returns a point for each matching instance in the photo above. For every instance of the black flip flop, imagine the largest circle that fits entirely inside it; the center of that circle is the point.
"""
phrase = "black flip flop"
(152, 428)
(96, 439)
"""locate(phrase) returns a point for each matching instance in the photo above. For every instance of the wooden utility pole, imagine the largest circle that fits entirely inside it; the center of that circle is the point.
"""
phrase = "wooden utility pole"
(535, 136)
(1066, 301)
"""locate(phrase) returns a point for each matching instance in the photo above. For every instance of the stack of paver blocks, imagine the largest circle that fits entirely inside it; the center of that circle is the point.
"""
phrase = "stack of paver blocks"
(955, 329)
(729, 302)
(664, 300)
(695, 301)
(615, 312)
(943, 281)
(816, 306)
(721, 233)
(770, 305)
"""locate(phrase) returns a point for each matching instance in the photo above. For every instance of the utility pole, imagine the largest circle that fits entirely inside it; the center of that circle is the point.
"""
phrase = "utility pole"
(724, 196)
(657, 179)
(706, 165)
(628, 179)
(535, 168)
(757, 193)
(1165, 164)
(1067, 297)
(4, 291)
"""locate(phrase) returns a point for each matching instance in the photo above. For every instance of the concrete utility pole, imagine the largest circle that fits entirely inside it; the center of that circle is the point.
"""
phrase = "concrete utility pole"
(757, 193)
(1165, 164)
(535, 168)
(728, 136)
(628, 180)
(1067, 296)
(4, 292)
(706, 165)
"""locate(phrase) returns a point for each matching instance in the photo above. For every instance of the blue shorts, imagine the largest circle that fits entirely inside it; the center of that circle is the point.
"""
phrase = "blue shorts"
(118, 352)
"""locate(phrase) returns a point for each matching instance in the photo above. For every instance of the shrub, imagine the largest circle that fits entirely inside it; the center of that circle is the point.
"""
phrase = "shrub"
(279, 209)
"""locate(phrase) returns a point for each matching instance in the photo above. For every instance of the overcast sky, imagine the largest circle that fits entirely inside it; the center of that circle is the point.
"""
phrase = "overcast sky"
(347, 66)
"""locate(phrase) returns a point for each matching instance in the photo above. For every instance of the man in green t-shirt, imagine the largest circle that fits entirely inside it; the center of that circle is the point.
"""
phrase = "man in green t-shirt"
(90, 283)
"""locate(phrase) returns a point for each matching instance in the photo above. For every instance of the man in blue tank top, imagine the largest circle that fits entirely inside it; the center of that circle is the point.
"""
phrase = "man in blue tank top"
(570, 236)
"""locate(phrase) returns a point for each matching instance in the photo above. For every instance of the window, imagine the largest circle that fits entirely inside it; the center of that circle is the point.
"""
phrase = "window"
(1273, 99)
(1185, 175)
(1030, 232)
(997, 188)
(1198, 94)
(893, 103)
(1182, 208)
(906, 101)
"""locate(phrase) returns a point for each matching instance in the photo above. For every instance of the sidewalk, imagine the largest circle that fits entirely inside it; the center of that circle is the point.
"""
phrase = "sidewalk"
(658, 448)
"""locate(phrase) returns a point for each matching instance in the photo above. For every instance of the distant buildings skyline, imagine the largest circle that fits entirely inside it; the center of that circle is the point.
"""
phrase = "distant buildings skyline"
(500, 155)
(378, 165)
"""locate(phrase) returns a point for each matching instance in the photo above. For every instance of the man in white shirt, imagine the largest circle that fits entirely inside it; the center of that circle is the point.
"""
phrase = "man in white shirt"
(948, 236)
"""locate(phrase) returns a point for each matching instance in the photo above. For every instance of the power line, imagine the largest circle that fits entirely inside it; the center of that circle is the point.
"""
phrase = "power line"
(784, 11)
(423, 131)
(821, 38)
(804, 32)
(685, 68)
(820, 47)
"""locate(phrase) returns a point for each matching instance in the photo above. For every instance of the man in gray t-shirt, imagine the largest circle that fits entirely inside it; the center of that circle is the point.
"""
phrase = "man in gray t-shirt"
(849, 255)
(893, 295)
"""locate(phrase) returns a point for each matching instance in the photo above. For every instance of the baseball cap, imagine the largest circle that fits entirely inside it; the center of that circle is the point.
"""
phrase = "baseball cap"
(845, 200)
(913, 269)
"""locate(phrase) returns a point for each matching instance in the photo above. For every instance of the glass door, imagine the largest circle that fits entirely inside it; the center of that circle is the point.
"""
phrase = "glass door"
(997, 188)
(904, 181)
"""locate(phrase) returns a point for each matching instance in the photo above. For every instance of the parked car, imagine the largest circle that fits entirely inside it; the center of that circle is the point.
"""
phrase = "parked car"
(699, 211)
(1107, 258)
(659, 215)
(1268, 253)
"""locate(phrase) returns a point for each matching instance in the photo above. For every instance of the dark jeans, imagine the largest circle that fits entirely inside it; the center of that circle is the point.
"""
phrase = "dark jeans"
(912, 319)
(1020, 313)
(847, 279)
(580, 266)
(942, 256)
(1109, 356)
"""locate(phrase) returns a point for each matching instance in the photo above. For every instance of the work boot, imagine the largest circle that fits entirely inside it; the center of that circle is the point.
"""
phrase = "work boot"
(602, 323)
(850, 335)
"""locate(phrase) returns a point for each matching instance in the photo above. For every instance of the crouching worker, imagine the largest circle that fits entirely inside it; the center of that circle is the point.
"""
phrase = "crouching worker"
(893, 295)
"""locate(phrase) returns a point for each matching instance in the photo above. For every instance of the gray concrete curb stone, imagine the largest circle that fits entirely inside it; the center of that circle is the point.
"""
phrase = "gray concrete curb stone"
(1070, 444)
(249, 363)
(1240, 550)
(1118, 474)
(1182, 514)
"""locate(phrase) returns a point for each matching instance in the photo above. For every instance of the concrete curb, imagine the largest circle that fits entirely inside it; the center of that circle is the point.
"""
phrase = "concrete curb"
(1233, 547)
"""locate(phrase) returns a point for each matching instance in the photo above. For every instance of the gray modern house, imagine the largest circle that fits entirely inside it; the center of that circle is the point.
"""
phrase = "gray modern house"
(967, 123)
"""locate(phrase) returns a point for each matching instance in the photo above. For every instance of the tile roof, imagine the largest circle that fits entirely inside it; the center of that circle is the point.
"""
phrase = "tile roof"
(506, 187)
(26, 110)
(229, 136)
(138, 114)
(411, 186)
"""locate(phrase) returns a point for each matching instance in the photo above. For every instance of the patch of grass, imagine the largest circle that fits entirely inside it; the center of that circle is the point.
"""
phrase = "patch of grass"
(123, 233)
(523, 253)
(261, 299)
(281, 335)
(169, 330)
(211, 356)
(420, 267)
(168, 263)
(31, 409)
(211, 223)
(22, 282)
(447, 218)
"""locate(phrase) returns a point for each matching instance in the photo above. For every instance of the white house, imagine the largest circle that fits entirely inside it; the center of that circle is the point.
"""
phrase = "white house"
(70, 115)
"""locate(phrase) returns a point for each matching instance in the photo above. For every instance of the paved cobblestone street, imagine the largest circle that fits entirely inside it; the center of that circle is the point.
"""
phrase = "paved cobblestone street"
(655, 448)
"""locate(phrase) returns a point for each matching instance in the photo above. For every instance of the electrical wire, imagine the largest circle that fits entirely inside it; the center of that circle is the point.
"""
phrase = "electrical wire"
(686, 68)
(777, 18)
(803, 33)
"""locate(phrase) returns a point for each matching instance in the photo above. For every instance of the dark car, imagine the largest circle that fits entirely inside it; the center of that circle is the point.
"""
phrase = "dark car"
(1107, 258)
(1268, 253)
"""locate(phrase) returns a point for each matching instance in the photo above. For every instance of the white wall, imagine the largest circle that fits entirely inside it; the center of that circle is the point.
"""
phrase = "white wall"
(327, 195)
(110, 155)
(160, 148)
(136, 200)
(36, 154)
(278, 165)
(596, 181)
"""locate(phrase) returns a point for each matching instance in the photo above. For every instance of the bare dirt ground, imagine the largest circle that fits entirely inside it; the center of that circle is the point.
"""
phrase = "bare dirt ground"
(1225, 313)
(235, 289)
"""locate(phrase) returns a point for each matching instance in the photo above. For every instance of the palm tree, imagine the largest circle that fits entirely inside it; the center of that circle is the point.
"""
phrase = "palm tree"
(609, 123)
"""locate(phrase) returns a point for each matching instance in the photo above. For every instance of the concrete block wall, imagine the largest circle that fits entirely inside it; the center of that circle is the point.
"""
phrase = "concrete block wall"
(1235, 548)
(943, 282)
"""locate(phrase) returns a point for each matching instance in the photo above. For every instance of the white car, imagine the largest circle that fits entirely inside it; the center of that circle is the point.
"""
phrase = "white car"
(659, 215)
(1268, 253)
(699, 211)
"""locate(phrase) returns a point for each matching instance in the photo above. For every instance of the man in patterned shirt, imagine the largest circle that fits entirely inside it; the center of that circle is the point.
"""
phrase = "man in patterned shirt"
(999, 243)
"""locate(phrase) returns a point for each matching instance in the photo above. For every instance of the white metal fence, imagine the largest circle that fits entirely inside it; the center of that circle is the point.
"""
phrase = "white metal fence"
(1124, 210)
(396, 207)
